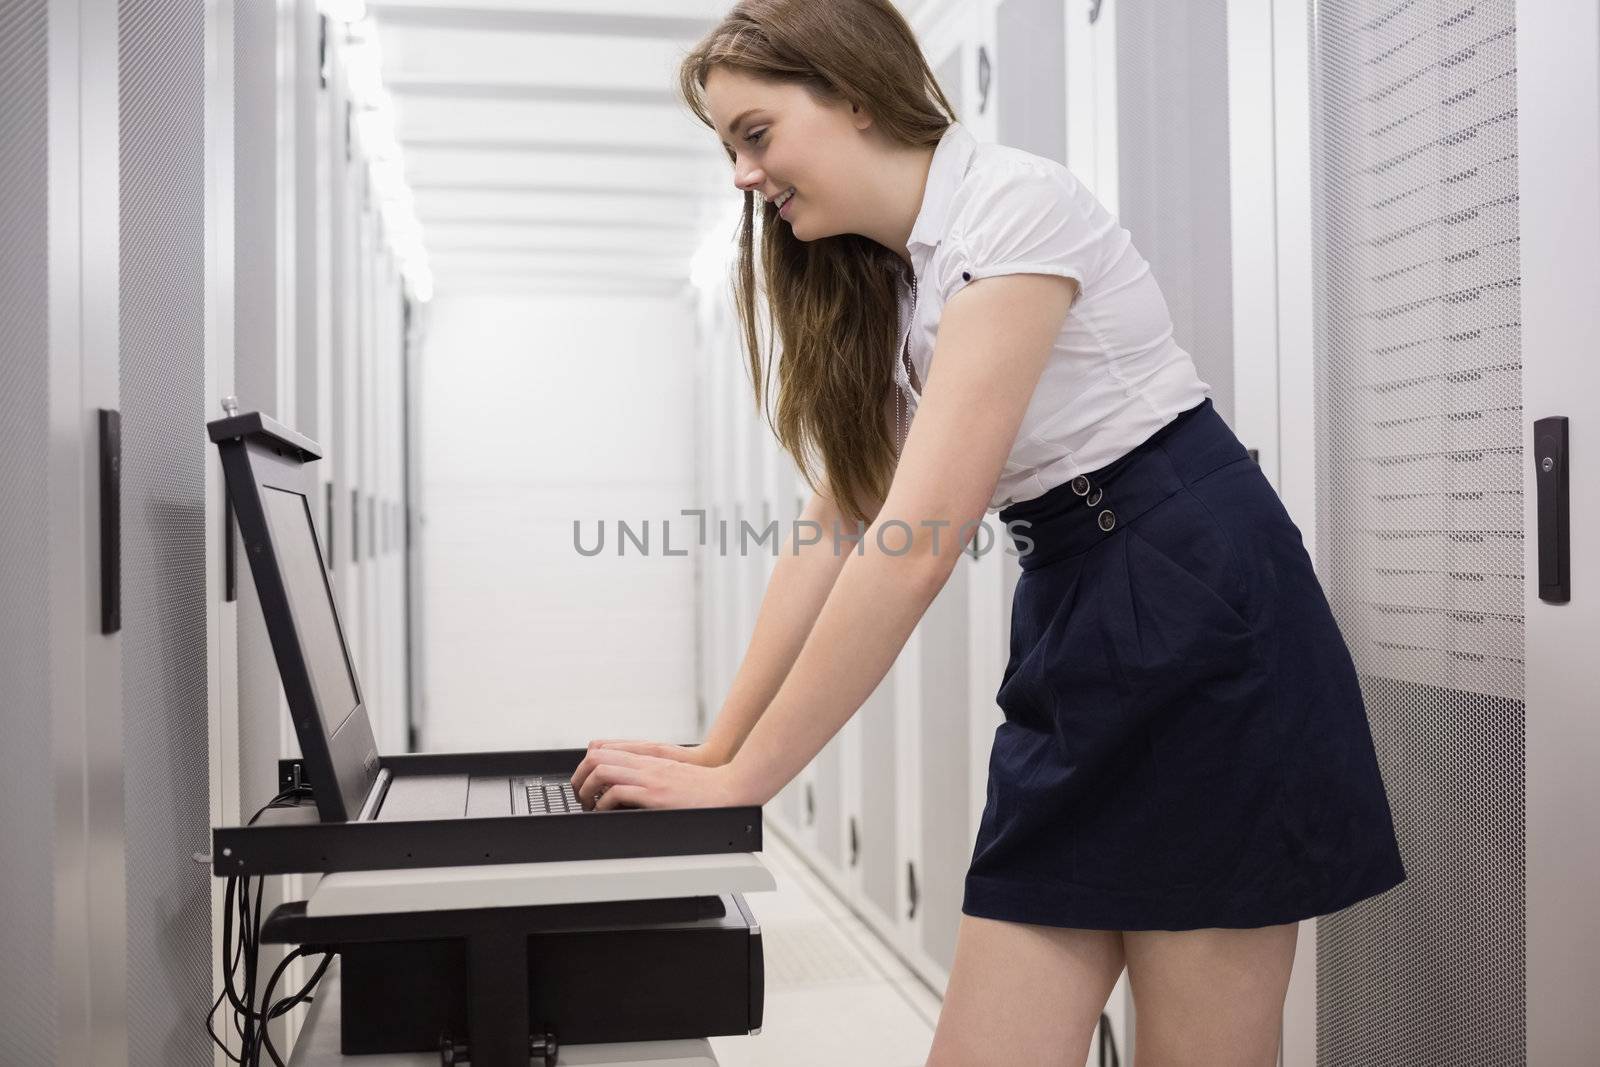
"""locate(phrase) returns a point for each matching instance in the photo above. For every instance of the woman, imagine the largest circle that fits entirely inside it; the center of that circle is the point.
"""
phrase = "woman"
(1185, 769)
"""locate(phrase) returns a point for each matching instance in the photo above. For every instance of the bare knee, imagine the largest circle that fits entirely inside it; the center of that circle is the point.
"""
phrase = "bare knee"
(1021, 993)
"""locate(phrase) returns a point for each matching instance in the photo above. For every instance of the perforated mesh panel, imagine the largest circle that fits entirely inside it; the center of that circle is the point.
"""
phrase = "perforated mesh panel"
(162, 65)
(27, 819)
(1419, 512)
(1172, 171)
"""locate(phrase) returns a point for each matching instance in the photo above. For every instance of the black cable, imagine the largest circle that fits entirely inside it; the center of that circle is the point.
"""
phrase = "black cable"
(263, 1037)
(240, 1007)
(252, 959)
(240, 990)
(250, 930)
(247, 1017)
(227, 975)
(273, 1009)
(303, 996)
(238, 1003)
(1108, 1043)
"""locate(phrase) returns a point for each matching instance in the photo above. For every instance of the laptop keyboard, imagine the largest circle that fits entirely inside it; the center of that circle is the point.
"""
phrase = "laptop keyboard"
(551, 798)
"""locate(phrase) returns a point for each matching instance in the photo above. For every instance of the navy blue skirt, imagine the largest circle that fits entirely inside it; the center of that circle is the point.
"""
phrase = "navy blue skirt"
(1185, 743)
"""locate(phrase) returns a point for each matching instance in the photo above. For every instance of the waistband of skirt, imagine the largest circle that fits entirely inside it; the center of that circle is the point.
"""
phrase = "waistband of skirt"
(1073, 517)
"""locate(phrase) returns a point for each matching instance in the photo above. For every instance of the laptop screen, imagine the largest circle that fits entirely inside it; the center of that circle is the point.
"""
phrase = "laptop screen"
(305, 582)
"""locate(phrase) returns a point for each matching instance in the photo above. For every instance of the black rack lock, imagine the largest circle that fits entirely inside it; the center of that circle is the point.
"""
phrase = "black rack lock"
(1550, 473)
(110, 423)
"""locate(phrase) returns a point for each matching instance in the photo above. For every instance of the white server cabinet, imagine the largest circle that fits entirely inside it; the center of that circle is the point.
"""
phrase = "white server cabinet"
(1376, 247)
(1436, 205)
(347, 194)
(162, 212)
(104, 306)
(891, 829)
(44, 982)
(365, 359)
(935, 686)
(1340, 201)
(889, 820)
(933, 843)
(167, 531)
(856, 814)
(276, 358)
(1173, 167)
(1095, 88)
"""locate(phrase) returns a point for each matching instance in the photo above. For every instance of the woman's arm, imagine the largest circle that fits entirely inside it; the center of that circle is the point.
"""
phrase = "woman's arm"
(994, 338)
(795, 594)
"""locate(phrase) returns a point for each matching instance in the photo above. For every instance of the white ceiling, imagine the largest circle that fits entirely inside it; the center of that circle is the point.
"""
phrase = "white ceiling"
(545, 143)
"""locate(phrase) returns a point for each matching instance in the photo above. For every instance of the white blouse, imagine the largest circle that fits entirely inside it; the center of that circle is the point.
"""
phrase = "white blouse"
(1115, 375)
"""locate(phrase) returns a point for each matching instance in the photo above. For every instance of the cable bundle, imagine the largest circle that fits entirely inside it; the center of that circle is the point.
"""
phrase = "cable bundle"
(242, 906)
(1108, 1043)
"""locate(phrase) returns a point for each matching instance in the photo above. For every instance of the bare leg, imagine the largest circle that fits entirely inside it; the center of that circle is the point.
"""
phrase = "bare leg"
(1024, 994)
(1208, 997)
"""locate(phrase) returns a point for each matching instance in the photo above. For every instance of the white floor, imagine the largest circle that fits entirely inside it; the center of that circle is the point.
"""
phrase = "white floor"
(834, 993)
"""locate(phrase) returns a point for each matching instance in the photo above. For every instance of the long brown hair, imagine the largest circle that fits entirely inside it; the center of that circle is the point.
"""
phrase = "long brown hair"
(837, 316)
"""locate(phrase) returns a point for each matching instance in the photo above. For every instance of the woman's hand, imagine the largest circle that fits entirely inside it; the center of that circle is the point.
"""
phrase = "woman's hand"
(700, 755)
(613, 777)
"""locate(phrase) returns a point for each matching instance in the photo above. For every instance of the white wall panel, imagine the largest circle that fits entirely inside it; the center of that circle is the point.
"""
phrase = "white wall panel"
(541, 412)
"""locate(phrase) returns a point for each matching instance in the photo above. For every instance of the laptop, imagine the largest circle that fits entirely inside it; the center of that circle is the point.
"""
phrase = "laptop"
(271, 488)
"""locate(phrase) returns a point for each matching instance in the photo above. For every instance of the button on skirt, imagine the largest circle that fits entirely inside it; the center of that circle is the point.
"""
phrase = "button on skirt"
(1185, 743)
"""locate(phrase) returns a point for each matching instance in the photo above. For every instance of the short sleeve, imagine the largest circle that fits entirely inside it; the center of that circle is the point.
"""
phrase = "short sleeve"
(1021, 219)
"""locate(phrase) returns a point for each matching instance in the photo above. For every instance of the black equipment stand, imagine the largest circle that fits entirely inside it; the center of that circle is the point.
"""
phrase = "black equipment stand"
(498, 986)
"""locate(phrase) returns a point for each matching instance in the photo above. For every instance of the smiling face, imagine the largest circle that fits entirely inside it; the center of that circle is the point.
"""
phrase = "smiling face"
(780, 138)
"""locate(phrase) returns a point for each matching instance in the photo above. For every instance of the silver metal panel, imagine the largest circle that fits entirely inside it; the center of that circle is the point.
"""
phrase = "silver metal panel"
(1032, 77)
(257, 325)
(444, 796)
(164, 681)
(411, 512)
(880, 759)
(1172, 163)
(28, 1016)
(360, 573)
(310, 224)
(85, 666)
(828, 782)
(1558, 131)
(946, 820)
(264, 369)
(1419, 512)
(89, 378)
(343, 312)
